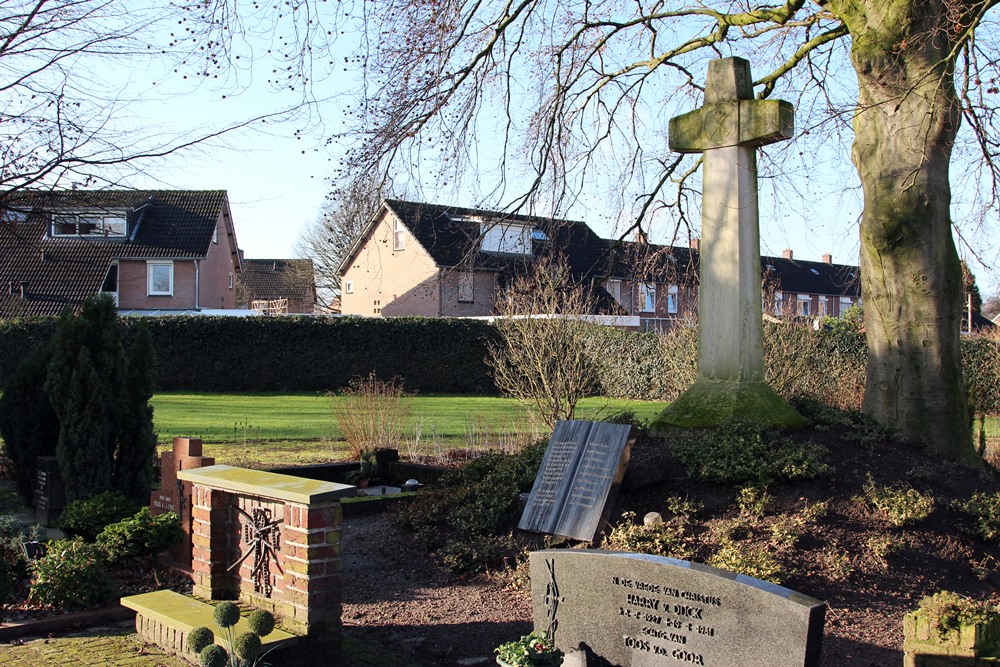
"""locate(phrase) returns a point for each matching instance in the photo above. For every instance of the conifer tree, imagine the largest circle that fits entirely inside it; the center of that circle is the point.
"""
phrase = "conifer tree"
(137, 439)
(28, 425)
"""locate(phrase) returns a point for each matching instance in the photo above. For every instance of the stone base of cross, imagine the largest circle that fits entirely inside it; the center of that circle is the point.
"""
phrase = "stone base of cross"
(728, 129)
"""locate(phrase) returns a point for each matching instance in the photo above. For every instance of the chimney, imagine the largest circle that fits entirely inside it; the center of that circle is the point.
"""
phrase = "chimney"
(787, 253)
(696, 244)
(640, 237)
(828, 258)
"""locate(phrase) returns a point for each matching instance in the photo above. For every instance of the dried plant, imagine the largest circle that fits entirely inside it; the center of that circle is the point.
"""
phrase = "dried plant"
(542, 359)
(372, 414)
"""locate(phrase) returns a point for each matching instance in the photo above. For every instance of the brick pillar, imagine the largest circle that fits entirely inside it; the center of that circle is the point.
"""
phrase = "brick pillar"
(211, 546)
(311, 554)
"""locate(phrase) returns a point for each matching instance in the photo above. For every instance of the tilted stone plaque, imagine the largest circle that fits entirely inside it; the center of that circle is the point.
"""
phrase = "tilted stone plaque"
(580, 474)
(50, 491)
(637, 610)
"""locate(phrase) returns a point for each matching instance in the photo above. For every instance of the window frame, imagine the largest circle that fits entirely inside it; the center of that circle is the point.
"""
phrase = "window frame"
(673, 299)
(803, 305)
(154, 264)
(467, 286)
(97, 220)
(348, 287)
(647, 297)
(398, 235)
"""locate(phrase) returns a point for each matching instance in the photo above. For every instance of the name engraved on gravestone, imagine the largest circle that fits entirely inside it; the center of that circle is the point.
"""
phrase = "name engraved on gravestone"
(50, 492)
(636, 610)
(580, 473)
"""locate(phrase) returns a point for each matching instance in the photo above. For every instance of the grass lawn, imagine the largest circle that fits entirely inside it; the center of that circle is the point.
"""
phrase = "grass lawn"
(300, 428)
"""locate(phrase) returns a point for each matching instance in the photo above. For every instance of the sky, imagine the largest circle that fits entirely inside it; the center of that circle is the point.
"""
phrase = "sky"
(276, 174)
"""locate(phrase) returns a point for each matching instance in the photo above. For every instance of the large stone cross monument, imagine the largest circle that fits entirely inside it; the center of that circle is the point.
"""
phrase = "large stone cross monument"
(728, 129)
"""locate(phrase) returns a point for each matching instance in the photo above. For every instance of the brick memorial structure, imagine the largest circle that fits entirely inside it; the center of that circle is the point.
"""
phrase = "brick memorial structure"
(270, 540)
(175, 495)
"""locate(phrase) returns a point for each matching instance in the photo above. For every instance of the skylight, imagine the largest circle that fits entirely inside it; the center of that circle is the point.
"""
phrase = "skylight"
(539, 235)
(814, 271)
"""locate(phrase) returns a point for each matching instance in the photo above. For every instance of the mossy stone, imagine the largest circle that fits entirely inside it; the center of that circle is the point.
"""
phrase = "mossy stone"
(709, 403)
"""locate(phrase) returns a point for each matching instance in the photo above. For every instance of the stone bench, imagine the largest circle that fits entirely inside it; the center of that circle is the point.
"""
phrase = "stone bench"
(165, 618)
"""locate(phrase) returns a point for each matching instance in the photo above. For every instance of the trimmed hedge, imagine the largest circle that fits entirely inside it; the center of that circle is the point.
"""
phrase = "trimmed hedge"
(295, 353)
(437, 355)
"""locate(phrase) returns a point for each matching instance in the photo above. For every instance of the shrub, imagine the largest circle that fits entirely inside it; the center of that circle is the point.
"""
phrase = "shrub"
(901, 505)
(199, 638)
(226, 614)
(72, 573)
(13, 567)
(478, 500)
(141, 535)
(372, 414)
(949, 611)
(666, 539)
(261, 622)
(214, 656)
(984, 510)
(88, 517)
(739, 452)
(751, 559)
(247, 645)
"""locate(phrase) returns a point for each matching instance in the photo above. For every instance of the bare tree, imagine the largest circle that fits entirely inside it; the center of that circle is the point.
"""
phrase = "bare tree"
(991, 306)
(542, 359)
(585, 79)
(331, 236)
(71, 73)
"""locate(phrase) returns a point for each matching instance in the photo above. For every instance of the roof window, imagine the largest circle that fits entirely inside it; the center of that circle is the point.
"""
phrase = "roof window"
(507, 238)
(105, 224)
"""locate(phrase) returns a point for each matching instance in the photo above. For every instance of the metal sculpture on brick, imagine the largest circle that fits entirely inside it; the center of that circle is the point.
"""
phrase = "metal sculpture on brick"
(263, 539)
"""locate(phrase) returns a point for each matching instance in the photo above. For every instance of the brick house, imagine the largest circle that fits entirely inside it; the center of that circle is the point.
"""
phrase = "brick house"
(431, 260)
(151, 250)
(278, 286)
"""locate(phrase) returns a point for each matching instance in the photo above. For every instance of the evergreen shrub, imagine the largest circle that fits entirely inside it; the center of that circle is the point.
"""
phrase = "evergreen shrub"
(71, 574)
(140, 535)
(87, 518)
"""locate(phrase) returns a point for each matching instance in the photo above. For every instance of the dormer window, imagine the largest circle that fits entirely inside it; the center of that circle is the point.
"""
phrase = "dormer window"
(103, 224)
(506, 238)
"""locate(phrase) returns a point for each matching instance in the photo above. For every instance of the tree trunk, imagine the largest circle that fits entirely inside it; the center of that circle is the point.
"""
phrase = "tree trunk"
(906, 122)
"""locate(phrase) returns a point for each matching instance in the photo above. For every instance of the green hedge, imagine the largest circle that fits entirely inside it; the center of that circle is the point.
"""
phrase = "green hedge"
(434, 355)
(296, 353)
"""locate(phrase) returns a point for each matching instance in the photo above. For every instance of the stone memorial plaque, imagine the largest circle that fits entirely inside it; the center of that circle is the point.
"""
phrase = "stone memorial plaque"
(637, 610)
(580, 474)
(50, 492)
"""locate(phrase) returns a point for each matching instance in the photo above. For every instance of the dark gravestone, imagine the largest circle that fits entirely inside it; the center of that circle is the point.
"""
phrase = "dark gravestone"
(580, 474)
(637, 610)
(50, 492)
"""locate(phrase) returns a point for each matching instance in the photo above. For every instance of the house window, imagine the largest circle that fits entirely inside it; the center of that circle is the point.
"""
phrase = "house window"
(466, 287)
(215, 234)
(845, 304)
(824, 306)
(230, 281)
(614, 288)
(160, 278)
(672, 299)
(777, 304)
(348, 287)
(647, 297)
(89, 224)
(505, 238)
(805, 305)
(398, 235)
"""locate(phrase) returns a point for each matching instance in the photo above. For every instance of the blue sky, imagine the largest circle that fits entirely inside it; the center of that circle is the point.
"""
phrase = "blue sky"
(276, 173)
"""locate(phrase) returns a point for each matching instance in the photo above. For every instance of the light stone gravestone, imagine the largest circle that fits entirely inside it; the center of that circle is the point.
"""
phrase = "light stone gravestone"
(727, 130)
(580, 474)
(637, 610)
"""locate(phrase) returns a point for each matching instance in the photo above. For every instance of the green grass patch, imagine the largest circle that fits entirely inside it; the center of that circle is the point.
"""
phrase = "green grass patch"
(300, 428)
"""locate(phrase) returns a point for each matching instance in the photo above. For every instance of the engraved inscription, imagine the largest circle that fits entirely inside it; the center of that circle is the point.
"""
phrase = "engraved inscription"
(667, 619)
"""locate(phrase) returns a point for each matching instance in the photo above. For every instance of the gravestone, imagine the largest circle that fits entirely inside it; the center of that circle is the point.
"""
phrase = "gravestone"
(50, 492)
(175, 495)
(727, 130)
(637, 610)
(583, 466)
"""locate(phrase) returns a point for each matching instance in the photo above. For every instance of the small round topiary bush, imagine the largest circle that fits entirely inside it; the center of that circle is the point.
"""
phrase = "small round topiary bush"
(261, 622)
(247, 646)
(227, 614)
(214, 656)
(200, 638)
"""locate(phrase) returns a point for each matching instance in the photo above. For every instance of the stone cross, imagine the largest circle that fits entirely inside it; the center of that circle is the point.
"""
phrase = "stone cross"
(727, 130)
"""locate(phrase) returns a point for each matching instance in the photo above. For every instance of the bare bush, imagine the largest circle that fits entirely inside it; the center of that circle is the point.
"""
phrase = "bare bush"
(542, 359)
(372, 414)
